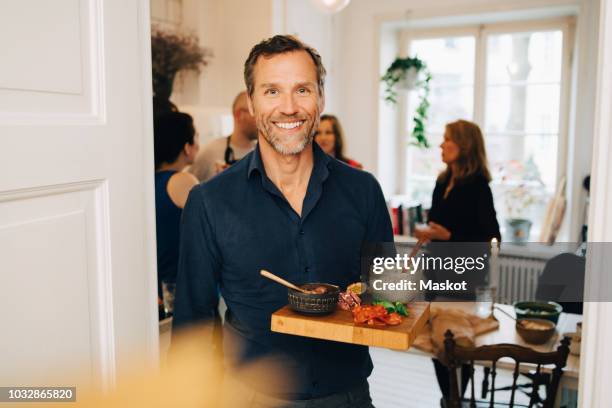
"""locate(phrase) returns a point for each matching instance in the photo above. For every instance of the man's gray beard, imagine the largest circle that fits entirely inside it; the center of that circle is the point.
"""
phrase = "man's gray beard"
(278, 145)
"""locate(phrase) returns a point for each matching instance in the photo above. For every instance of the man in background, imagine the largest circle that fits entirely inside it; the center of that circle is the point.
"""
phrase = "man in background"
(219, 154)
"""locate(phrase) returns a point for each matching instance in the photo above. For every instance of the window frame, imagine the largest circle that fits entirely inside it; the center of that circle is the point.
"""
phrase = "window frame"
(481, 33)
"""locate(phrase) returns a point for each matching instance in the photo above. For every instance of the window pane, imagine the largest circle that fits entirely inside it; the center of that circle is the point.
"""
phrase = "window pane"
(524, 157)
(420, 192)
(422, 169)
(451, 98)
(437, 52)
(519, 57)
(448, 103)
(519, 108)
(425, 162)
(524, 172)
(523, 93)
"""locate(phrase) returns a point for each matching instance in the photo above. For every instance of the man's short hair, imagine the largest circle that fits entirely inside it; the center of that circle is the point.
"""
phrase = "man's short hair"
(280, 44)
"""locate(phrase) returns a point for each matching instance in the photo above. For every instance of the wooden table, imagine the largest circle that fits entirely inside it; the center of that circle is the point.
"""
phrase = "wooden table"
(507, 334)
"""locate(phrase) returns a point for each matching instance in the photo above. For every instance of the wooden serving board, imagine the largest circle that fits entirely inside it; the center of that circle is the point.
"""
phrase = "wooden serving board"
(339, 326)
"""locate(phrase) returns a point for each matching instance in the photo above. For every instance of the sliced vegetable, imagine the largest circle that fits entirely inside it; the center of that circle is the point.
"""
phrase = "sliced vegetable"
(393, 319)
(375, 315)
(387, 305)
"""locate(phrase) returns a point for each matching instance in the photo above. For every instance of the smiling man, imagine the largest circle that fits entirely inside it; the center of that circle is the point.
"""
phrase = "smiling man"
(289, 208)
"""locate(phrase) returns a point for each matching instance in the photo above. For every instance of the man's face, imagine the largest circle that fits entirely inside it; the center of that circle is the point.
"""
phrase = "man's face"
(286, 102)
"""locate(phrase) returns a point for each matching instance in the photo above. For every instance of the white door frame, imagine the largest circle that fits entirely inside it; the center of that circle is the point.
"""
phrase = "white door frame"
(149, 240)
(596, 360)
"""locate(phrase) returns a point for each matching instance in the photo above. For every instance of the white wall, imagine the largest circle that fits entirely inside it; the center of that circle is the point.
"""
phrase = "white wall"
(321, 32)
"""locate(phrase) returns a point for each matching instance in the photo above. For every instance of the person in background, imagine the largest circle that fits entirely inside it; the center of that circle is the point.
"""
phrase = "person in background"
(462, 207)
(219, 154)
(330, 138)
(175, 148)
(462, 210)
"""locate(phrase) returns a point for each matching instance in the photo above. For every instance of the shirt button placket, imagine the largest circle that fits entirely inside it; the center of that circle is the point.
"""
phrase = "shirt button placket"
(301, 251)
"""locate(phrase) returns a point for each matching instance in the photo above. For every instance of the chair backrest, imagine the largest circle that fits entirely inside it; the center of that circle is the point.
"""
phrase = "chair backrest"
(562, 280)
(455, 356)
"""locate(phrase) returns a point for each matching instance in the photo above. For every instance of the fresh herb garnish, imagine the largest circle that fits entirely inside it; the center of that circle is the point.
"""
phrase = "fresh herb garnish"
(397, 307)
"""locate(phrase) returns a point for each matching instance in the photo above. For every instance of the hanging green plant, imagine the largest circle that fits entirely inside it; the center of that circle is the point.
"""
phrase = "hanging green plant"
(410, 74)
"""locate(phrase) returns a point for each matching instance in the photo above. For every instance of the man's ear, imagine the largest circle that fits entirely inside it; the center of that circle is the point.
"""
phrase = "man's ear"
(250, 105)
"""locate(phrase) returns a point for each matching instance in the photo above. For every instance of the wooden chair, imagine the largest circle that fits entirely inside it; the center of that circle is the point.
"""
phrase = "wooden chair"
(454, 356)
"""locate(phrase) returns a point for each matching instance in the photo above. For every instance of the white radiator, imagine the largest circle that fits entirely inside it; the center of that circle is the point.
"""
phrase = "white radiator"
(518, 278)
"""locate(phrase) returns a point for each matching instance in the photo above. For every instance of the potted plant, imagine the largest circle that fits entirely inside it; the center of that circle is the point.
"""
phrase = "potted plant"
(408, 74)
(525, 189)
(522, 189)
(518, 200)
(172, 53)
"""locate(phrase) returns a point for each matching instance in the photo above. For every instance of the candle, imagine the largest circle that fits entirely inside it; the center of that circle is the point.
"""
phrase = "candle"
(493, 264)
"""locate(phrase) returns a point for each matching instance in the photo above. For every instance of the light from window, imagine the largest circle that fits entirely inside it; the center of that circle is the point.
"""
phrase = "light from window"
(451, 62)
(519, 114)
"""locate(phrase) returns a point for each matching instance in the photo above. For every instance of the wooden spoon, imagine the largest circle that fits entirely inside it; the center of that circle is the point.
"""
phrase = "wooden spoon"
(283, 282)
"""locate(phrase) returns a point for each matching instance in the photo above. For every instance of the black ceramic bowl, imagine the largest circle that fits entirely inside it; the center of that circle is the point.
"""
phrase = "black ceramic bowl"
(313, 303)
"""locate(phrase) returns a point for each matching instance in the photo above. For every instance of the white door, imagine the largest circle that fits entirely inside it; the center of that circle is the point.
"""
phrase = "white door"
(77, 257)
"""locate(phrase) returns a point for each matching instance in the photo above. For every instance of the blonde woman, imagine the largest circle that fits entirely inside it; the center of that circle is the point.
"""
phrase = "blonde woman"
(462, 207)
(462, 210)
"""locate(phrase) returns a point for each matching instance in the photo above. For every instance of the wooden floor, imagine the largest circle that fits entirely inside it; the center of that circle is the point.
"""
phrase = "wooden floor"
(408, 380)
(403, 380)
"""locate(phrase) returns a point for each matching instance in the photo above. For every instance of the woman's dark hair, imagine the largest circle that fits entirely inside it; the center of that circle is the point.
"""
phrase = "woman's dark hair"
(172, 130)
(280, 44)
(338, 136)
(472, 159)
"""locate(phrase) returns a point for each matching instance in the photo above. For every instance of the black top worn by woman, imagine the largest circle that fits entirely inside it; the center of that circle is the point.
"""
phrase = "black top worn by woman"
(467, 212)
(168, 221)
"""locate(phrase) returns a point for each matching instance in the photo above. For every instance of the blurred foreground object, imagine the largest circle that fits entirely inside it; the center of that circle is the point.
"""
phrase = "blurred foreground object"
(192, 377)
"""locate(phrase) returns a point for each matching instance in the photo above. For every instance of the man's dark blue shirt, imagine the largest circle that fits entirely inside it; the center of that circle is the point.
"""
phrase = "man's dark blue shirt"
(239, 223)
